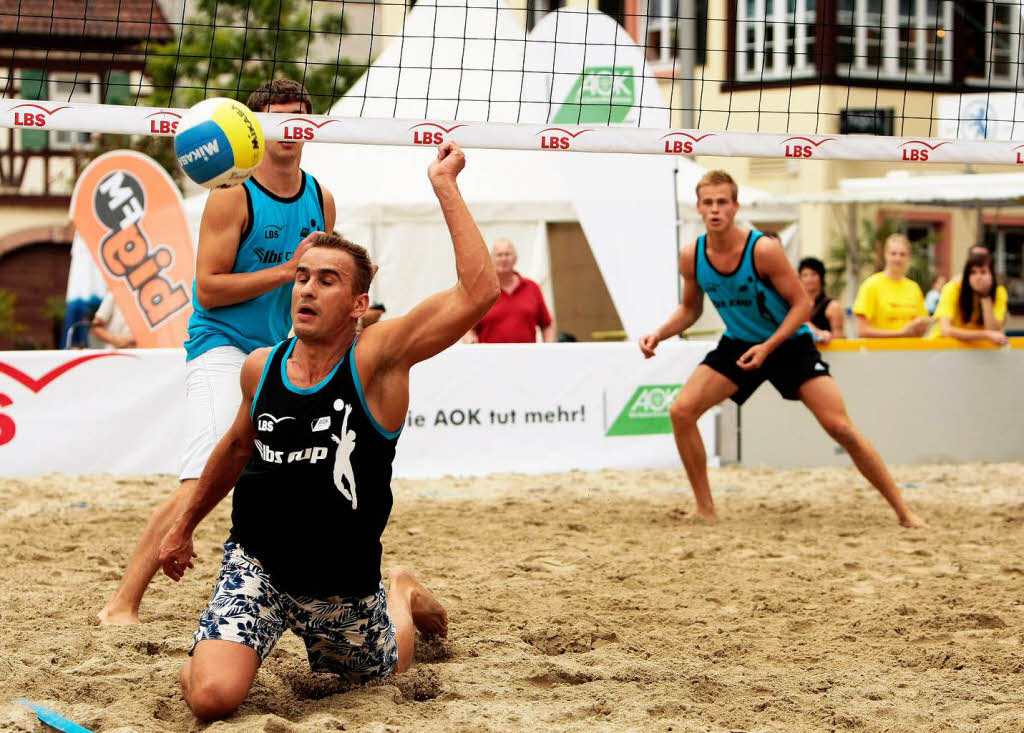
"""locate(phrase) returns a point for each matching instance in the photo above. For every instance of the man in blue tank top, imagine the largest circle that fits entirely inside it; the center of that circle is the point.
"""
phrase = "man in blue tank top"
(250, 241)
(309, 455)
(759, 297)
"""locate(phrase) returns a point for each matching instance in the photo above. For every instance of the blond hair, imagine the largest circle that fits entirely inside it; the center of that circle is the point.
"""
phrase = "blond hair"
(715, 178)
(897, 238)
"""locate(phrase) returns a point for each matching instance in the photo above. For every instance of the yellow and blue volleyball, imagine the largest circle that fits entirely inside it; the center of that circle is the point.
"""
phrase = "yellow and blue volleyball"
(219, 143)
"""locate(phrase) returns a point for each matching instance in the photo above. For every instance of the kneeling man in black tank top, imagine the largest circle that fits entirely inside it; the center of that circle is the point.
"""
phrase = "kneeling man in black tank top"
(310, 455)
(759, 297)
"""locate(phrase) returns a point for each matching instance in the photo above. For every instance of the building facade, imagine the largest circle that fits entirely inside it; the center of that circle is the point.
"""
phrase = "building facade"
(52, 51)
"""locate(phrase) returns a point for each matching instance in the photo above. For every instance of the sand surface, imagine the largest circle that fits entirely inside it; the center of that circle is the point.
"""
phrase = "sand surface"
(578, 602)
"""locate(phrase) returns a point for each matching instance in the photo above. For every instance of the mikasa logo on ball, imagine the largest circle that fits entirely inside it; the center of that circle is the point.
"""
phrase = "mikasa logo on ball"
(218, 142)
(255, 138)
(203, 152)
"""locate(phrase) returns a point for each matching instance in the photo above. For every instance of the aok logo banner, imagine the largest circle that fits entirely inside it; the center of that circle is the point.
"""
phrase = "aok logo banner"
(646, 412)
(600, 95)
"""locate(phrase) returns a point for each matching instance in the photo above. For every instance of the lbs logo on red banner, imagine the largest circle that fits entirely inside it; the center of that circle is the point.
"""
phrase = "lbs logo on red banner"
(431, 133)
(163, 122)
(677, 143)
(301, 129)
(918, 150)
(33, 115)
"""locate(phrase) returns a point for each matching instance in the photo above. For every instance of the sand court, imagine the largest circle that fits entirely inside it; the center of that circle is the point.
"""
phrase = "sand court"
(577, 602)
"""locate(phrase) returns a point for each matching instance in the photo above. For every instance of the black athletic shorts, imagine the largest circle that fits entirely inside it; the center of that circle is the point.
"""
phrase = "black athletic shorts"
(789, 366)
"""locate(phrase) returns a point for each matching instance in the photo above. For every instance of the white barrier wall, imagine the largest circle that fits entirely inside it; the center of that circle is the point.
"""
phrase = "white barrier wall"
(473, 410)
(917, 405)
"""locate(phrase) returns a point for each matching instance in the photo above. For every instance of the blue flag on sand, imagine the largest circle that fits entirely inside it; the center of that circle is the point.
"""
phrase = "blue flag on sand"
(51, 718)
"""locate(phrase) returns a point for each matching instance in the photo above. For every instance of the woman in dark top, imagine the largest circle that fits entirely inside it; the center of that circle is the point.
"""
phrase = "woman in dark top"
(826, 319)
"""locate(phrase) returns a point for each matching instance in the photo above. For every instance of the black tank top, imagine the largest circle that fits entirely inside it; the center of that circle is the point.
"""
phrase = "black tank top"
(818, 317)
(314, 500)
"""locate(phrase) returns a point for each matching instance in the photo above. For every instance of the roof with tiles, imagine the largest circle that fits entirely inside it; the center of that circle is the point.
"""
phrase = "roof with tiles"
(120, 19)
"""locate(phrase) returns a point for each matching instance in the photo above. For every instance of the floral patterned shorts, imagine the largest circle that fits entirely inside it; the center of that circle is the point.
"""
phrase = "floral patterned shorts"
(351, 637)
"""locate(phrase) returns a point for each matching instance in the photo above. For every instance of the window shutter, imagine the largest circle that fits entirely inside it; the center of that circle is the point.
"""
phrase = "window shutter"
(119, 90)
(33, 86)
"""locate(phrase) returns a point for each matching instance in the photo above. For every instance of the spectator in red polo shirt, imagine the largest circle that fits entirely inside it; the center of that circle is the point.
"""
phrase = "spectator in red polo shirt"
(520, 309)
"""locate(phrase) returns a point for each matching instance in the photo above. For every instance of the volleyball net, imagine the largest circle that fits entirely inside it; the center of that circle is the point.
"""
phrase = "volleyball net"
(892, 80)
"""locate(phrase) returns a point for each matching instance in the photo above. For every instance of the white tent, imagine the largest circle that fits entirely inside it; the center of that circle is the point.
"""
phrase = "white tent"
(470, 60)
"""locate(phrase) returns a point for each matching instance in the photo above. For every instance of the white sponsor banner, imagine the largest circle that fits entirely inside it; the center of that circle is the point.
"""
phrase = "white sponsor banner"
(557, 139)
(506, 408)
(91, 412)
(473, 410)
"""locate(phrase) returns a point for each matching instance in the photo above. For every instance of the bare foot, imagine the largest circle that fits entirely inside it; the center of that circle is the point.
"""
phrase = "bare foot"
(428, 615)
(116, 617)
(704, 516)
(912, 521)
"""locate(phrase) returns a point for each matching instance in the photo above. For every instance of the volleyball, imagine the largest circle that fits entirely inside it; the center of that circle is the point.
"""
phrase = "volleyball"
(219, 143)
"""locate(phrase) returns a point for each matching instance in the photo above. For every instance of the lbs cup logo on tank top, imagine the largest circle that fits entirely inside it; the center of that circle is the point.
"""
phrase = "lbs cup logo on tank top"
(130, 215)
(320, 476)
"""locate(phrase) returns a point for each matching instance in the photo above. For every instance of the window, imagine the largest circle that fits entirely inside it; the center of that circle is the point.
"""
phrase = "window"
(895, 39)
(73, 88)
(537, 9)
(1007, 247)
(775, 39)
(926, 234)
(662, 36)
(999, 63)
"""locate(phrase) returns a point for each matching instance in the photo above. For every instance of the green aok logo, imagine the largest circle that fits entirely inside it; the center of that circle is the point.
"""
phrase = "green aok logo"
(601, 95)
(646, 412)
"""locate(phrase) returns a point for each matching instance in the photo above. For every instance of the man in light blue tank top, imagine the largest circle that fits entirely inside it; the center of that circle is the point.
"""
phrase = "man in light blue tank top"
(758, 294)
(250, 242)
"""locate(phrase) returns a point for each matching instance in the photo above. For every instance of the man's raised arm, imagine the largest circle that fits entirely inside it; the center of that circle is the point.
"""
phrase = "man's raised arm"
(443, 318)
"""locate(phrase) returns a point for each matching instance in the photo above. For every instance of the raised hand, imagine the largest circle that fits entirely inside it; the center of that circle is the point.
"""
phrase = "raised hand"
(450, 161)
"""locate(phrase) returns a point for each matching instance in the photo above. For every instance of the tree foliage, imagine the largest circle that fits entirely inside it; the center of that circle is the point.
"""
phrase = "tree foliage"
(228, 48)
(9, 327)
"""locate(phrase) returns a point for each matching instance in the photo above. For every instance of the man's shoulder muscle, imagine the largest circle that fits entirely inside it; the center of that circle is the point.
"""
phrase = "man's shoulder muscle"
(252, 370)
(227, 208)
(687, 259)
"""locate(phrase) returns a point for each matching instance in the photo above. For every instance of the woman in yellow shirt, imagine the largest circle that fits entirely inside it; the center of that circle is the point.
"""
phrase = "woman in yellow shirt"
(973, 308)
(889, 304)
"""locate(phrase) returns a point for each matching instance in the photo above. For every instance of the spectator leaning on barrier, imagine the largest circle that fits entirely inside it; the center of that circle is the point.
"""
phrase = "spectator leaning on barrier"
(973, 308)
(826, 321)
(931, 299)
(889, 304)
(110, 326)
(520, 309)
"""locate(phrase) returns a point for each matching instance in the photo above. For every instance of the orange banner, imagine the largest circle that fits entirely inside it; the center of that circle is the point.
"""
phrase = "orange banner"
(130, 214)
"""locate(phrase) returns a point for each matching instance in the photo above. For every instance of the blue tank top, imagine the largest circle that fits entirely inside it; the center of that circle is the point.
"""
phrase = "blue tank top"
(276, 226)
(751, 307)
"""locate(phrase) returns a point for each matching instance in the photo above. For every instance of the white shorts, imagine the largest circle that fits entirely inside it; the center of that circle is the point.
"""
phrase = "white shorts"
(212, 397)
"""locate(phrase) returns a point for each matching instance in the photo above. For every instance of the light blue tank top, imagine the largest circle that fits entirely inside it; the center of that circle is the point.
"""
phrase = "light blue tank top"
(276, 226)
(750, 306)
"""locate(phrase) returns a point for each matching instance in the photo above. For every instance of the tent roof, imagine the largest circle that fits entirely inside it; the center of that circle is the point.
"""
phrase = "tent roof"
(902, 187)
